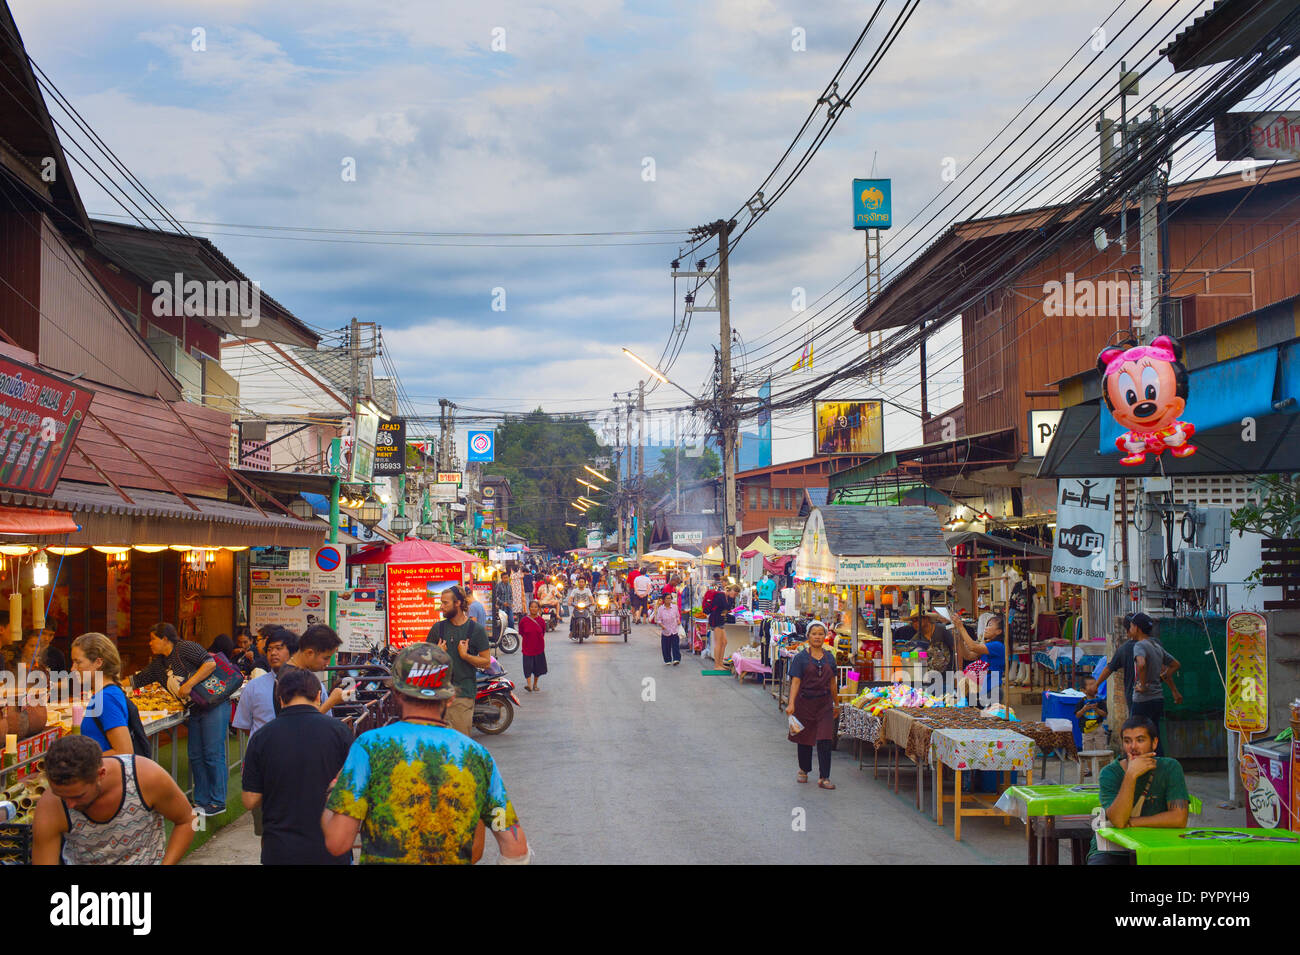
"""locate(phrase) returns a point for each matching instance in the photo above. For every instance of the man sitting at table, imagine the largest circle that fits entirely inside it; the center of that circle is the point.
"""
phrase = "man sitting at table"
(1141, 791)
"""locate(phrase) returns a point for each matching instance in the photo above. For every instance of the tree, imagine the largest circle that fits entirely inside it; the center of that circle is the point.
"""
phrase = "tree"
(542, 456)
(663, 480)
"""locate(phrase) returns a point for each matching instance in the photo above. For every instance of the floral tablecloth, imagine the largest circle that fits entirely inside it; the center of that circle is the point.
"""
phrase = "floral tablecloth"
(997, 750)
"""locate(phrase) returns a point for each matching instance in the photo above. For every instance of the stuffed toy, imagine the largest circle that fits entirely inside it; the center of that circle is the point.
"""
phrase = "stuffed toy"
(1145, 387)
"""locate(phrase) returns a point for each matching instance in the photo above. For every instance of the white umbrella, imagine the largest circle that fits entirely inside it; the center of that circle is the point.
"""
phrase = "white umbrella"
(668, 553)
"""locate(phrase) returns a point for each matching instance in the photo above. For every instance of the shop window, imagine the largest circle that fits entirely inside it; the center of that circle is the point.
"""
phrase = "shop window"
(753, 498)
(762, 497)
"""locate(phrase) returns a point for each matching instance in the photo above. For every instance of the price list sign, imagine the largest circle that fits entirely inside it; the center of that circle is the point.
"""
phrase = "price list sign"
(40, 416)
(414, 598)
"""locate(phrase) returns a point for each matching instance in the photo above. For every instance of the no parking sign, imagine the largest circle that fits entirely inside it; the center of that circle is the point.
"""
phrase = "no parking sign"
(328, 568)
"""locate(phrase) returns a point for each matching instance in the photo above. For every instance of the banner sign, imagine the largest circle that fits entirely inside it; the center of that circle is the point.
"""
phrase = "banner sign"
(414, 592)
(390, 448)
(285, 598)
(481, 446)
(40, 416)
(449, 477)
(363, 446)
(1085, 519)
(362, 621)
(848, 427)
(902, 571)
(1246, 673)
(687, 537)
(1042, 428)
(784, 533)
(872, 204)
(1257, 136)
(443, 493)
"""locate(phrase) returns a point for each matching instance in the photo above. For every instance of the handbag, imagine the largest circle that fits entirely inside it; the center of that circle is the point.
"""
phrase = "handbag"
(219, 685)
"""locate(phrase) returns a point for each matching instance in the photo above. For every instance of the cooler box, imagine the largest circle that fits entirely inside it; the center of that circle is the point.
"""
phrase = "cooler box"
(1060, 706)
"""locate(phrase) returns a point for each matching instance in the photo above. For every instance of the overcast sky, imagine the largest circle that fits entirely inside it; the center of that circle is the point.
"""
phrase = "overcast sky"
(557, 133)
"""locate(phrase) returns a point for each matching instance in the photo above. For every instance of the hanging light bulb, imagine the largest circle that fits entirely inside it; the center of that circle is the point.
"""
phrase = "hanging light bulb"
(150, 548)
(40, 571)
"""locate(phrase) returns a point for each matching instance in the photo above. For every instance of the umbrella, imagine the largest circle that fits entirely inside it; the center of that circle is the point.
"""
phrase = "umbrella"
(668, 553)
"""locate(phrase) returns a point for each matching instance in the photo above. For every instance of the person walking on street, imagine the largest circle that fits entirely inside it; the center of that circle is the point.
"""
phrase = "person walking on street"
(288, 769)
(501, 599)
(467, 644)
(1153, 666)
(532, 635)
(417, 791)
(180, 665)
(814, 689)
(719, 608)
(669, 618)
(108, 810)
(640, 605)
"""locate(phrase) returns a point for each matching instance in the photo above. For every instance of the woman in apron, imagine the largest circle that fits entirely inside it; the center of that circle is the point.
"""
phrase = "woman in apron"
(813, 694)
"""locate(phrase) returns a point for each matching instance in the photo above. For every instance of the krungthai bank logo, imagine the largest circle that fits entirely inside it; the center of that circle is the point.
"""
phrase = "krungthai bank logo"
(872, 198)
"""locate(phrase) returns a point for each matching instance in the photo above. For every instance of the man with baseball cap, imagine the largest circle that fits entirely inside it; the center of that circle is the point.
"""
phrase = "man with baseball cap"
(1143, 694)
(418, 791)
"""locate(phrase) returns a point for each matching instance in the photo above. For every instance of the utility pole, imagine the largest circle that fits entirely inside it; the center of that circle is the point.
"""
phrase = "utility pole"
(726, 410)
(640, 468)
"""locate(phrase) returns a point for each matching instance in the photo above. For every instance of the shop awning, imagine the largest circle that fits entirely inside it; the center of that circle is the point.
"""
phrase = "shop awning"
(24, 520)
(412, 551)
(999, 546)
(157, 517)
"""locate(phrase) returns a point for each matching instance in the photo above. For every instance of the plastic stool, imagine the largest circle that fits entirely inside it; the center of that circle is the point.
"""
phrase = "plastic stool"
(1093, 755)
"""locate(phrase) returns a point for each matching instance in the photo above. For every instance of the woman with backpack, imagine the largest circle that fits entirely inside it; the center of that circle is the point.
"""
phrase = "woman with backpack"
(111, 719)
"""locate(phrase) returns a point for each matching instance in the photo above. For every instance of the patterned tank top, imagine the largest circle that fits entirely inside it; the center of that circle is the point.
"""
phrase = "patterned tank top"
(133, 836)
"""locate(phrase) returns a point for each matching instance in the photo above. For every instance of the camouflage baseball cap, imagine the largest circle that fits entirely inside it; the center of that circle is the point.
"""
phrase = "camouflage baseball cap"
(422, 671)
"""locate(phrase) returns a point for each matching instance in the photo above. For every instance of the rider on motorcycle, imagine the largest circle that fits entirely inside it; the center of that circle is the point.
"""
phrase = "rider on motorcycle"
(581, 594)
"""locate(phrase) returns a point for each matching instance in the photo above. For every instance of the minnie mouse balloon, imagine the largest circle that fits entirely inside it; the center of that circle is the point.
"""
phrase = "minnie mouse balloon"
(1145, 387)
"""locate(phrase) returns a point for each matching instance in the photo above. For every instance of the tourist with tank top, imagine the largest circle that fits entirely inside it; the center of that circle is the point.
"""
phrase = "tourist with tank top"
(108, 810)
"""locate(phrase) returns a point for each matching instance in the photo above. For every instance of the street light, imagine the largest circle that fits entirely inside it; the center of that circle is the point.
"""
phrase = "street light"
(401, 525)
(370, 513)
(588, 501)
(302, 508)
(597, 473)
(587, 484)
(658, 374)
(426, 531)
(575, 504)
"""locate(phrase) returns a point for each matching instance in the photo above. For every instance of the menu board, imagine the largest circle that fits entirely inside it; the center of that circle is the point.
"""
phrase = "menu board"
(40, 416)
(361, 620)
(1246, 673)
(285, 598)
(34, 746)
(414, 592)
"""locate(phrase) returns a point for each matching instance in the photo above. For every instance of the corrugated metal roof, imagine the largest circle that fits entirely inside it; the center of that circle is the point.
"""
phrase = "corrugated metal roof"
(861, 530)
(101, 499)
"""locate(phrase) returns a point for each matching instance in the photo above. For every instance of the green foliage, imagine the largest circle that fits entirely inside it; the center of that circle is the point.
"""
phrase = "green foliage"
(542, 455)
(1274, 514)
(708, 465)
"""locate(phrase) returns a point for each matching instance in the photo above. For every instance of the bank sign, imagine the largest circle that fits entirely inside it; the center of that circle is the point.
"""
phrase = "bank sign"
(1085, 518)
(872, 204)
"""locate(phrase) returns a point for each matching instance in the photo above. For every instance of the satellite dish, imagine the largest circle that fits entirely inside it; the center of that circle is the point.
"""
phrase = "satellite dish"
(1099, 239)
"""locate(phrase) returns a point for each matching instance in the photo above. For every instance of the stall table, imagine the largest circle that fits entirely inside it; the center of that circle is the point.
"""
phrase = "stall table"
(740, 665)
(962, 750)
(1219, 846)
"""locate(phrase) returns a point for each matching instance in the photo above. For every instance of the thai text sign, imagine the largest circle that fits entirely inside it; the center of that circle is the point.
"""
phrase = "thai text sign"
(414, 598)
(1257, 136)
(872, 204)
(40, 416)
(1246, 673)
(903, 571)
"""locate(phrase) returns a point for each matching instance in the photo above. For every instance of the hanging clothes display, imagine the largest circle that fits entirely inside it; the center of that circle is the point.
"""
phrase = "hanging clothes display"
(1021, 609)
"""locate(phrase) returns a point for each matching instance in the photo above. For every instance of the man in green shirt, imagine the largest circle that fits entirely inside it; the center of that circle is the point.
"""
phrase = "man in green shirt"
(1143, 790)
(466, 642)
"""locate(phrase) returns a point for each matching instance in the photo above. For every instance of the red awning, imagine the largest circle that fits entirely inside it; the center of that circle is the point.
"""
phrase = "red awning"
(412, 551)
(23, 520)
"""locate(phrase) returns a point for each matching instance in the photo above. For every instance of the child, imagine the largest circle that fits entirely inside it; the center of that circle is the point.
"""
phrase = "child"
(668, 617)
(1091, 716)
(532, 633)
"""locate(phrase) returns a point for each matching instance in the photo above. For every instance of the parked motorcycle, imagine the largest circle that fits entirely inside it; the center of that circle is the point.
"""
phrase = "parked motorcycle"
(505, 638)
(494, 700)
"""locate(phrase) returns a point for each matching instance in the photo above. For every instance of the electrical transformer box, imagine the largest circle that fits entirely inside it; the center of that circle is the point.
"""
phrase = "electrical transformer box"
(1193, 568)
(1213, 525)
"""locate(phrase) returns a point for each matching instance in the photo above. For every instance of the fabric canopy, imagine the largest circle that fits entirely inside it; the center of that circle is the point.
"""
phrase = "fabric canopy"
(411, 551)
(22, 520)
(760, 545)
(667, 553)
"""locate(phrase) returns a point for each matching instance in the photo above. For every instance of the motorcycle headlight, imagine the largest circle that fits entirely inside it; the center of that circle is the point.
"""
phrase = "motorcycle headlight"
(602, 602)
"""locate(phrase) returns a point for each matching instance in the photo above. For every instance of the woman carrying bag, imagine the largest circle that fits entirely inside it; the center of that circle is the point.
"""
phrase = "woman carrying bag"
(814, 705)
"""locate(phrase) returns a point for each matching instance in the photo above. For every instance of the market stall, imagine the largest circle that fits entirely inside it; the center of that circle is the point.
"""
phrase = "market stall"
(850, 554)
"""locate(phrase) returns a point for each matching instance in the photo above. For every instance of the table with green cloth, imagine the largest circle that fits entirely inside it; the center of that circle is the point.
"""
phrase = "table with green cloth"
(1218, 846)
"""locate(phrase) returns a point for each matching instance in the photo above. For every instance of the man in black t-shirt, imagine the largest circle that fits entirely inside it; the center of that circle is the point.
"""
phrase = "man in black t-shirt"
(466, 642)
(288, 769)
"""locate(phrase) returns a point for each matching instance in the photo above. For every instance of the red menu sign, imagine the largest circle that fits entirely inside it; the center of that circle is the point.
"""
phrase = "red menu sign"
(34, 746)
(40, 416)
(414, 595)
